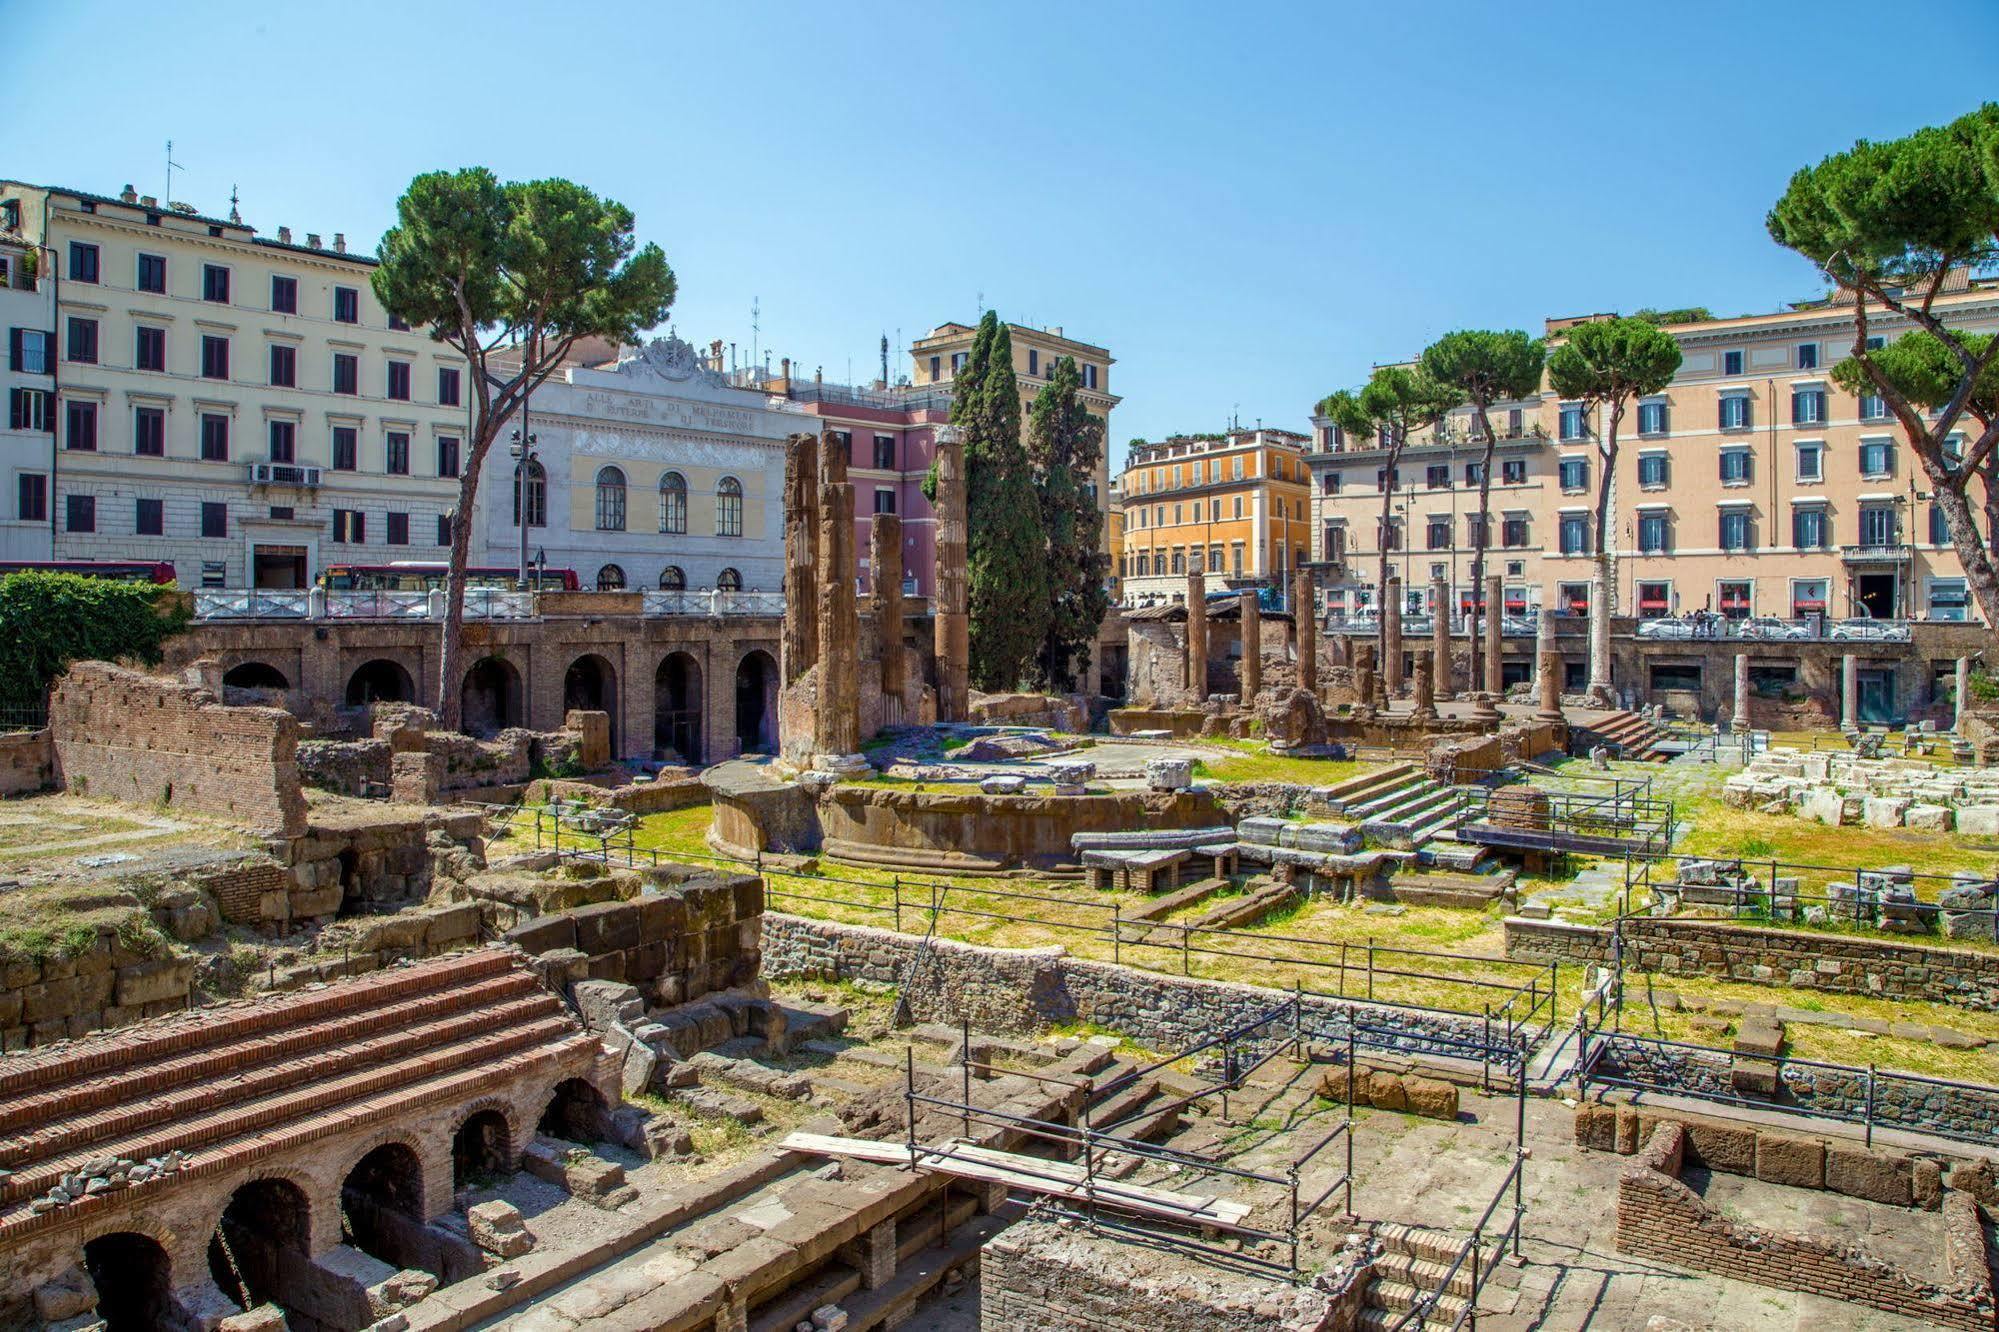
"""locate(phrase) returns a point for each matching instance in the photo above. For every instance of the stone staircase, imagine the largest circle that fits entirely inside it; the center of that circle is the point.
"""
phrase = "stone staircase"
(1414, 1262)
(1628, 735)
(1401, 806)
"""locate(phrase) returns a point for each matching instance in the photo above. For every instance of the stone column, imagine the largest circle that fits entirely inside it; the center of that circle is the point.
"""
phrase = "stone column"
(885, 598)
(1252, 646)
(1495, 615)
(1440, 639)
(1849, 692)
(837, 716)
(1305, 624)
(1742, 691)
(1961, 694)
(952, 620)
(1425, 685)
(1363, 678)
(1548, 668)
(1391, 635)
(1194, 672)
(801, 555)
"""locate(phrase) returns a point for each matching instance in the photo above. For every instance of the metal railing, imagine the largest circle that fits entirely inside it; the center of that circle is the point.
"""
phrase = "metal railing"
(216, 603)
(1706, 628)
(357, 605)
(1623, 822)
(1418, 1314)
(1648, 895)
(1105, 1155)
(712, 601)
(1417, 625)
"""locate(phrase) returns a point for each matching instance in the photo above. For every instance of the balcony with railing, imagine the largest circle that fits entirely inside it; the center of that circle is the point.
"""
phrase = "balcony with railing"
(1876, 552)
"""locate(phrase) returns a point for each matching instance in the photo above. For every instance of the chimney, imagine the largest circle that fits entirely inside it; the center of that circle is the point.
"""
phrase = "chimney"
(786, 368)
(340, 242)
(818, 374)
(128, 195)
(148, 201)
(312, 239)
(284, 235)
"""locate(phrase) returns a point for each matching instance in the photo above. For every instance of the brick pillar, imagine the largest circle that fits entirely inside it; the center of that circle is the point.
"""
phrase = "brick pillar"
(885, 599)
(1425, 688)
(801, 555)
(1305, 624)
(1548, 669)
(1195, 669)
(1391, 635)
(1849, 692)
(1440, 639)
(1363, 677)
(1495, 614)
(877, 1256)
(1252, 646)
(953, 624)
(837, 718)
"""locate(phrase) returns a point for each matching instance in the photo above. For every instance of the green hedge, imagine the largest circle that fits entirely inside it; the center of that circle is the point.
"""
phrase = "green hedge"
(48, 620)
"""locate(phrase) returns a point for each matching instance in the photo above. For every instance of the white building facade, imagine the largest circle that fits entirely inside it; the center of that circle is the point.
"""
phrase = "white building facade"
(27, 434)
(652, 473)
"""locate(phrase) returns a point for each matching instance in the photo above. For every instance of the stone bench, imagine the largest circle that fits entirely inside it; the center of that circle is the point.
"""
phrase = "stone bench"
(1139, 871)
(1150, 839)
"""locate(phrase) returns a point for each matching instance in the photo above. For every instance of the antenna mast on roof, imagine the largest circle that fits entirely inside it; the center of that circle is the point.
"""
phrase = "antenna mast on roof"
(234, 214)
(755, 330)
(884, 360)
(168, 197)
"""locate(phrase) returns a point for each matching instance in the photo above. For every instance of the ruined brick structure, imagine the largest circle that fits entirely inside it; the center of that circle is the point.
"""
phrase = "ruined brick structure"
(146, 740)
(953, 623)
(258, 1118)
(885, 605)
(801, 555)
(836, 721)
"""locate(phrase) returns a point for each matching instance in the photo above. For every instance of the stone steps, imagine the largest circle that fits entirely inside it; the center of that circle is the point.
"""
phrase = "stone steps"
(1397, 1298)
(1342, 796)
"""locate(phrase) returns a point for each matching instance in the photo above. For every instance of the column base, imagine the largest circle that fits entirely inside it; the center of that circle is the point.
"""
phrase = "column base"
(1485, 707)
(842, 765)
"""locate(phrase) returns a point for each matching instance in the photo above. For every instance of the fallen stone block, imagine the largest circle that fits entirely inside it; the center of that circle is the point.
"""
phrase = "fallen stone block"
(498, 1228)
(1432, 1098)
(1722, 1147)
(1799, 1162)
(1385, 1091)
(1928, 818)
(1876, 1177)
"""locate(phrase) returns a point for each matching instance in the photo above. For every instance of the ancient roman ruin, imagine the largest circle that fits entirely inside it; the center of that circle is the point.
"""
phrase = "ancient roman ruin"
(1317, 980)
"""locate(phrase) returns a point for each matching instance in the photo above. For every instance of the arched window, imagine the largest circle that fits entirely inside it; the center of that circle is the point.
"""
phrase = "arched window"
(729, 507)
(611, 578)
(672, 579)
(729, 580)
(611, 501)
(673, 503)
(537, 495)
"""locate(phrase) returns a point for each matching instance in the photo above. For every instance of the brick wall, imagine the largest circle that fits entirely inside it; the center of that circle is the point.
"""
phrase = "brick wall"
(1661, 1218)
(27, 763)
(152, 741)
(676, 941)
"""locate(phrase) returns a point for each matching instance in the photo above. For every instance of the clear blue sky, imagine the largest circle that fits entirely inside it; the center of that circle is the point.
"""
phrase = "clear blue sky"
(1249, 206)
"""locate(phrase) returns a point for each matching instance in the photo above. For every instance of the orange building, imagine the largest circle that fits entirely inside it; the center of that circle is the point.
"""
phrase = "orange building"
(1236, 504)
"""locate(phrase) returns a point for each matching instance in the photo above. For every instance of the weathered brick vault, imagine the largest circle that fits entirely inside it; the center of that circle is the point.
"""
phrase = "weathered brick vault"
(265, 1123)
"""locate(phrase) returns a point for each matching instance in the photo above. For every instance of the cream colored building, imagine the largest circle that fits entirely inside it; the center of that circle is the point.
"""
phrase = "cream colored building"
(1752, 486)
(1235, 505)
(237, 404)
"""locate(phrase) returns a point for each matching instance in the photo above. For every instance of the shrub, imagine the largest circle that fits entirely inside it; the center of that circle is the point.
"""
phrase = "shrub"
(48, 620)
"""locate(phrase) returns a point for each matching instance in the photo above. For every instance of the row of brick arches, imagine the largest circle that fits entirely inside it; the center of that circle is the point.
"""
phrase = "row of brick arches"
(493, 697)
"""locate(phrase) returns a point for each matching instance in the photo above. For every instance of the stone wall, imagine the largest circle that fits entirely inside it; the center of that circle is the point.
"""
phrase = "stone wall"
(150, 741)
(1839, 963)
(969, 830)
(679, 939)
(1023, 991)
(1659, 1217)
(1047, 1276)
(1067, 713)
(27, 762)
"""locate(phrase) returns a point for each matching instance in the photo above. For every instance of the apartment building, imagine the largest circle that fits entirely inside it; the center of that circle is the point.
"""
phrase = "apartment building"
(27, 448)
(1235, 504)
(236, 404)
(1752, 486)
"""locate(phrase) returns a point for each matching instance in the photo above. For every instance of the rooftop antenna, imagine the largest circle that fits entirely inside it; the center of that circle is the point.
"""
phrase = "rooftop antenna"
(884, 360)
(755, 329)
(168, 197)
(234, 215)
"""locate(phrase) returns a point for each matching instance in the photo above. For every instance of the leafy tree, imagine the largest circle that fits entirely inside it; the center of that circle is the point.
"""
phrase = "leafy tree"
(1606, 364)
(1888, 224)
(1484, 367)
(48, 620)
(1685, 314)
(1395, 403)
(524, 268)
(1065, 444)
(1006, 560)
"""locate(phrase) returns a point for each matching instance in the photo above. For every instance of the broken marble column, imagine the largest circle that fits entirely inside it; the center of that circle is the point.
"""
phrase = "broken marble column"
(953, 623)
(1440, 638)
(1252, 646)
(1849, 692)
(801, 555)
(1547, 669)
(1495, 619)
(1391, 636)
(1742, 691)
(1305, 624)
(1425, 687)
(837, 714)
(885, 598)
(1364, 681)
(1961, 695)
(1194, 670)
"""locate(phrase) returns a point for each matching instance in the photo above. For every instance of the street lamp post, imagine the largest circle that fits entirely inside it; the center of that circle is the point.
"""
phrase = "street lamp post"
(523, 453)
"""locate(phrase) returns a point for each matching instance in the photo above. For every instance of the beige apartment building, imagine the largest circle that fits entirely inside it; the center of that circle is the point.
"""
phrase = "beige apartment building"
(1753, 486)
(237, 405)
(1235, 505)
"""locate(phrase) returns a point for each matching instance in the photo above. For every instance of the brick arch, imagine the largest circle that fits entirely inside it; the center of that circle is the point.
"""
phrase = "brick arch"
(429, 1159)
(352, 659)
(186, 1259)
(322, 1201)
(253, 669)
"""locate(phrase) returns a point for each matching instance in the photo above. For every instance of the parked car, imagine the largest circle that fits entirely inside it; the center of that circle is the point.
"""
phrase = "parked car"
(1869, 631)
(1769, 628)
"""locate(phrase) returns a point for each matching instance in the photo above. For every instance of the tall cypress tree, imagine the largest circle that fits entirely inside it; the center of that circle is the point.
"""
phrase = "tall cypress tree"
(1064, 443)
(1006, 561)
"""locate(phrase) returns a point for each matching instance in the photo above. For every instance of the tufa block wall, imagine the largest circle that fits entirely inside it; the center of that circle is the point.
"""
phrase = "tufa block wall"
(151, 741)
